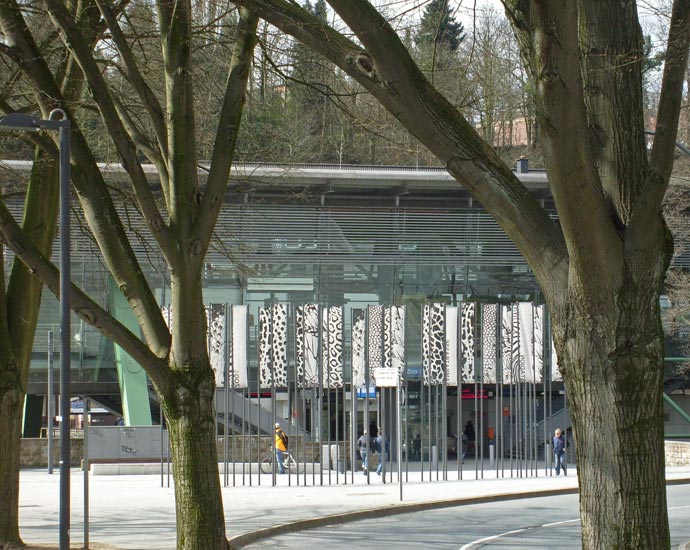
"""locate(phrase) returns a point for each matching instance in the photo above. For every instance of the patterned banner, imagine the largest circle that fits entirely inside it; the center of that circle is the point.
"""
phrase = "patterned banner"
(216, 346)
(467, 342)
(273, 346)
(531, 335)
(237, 358)
(394, 339)
(375, 340)
(433, 332)
(490, 343)
(307, 345)
(215, 339)
(509, 342)
(451, 346)
(358, 347)
(332, 347)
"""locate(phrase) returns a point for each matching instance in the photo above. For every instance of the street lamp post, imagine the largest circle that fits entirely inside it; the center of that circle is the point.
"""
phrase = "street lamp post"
(26, 123)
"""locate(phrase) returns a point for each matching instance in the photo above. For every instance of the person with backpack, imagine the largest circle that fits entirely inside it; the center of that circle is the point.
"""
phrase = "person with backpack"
(281, 446)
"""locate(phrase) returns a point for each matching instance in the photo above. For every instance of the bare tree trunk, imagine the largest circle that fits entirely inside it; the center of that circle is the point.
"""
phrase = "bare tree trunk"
(19, 311)
(622, 507)
(614, 380)
(11, 402)
(191, 425)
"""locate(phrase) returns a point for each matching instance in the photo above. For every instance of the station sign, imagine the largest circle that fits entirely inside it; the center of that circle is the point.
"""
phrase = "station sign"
(386, 377)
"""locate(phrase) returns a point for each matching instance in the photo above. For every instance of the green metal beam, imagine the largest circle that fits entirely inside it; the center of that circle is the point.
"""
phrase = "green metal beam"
(676, 408)
(134, 390)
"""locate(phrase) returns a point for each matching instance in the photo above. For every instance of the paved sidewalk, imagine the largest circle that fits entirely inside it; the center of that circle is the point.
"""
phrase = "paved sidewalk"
(133, 512)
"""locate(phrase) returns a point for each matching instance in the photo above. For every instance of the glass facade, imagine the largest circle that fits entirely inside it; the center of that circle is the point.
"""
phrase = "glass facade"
(328, 235)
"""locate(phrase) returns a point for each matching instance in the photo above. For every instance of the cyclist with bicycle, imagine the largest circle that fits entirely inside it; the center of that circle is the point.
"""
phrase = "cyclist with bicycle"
(281, 446)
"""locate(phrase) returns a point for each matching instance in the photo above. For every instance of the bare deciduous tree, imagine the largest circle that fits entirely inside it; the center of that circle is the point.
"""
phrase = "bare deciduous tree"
(181, 221)
(602, 266)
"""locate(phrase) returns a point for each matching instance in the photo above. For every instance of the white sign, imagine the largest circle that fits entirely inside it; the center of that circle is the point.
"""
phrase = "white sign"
(386, 377)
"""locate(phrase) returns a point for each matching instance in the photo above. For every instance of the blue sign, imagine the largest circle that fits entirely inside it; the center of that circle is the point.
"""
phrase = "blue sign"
(361, 392)
(413, 373)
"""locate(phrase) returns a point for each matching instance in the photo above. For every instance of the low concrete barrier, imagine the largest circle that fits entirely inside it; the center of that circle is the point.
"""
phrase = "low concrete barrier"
(151, 468)
(677, 453)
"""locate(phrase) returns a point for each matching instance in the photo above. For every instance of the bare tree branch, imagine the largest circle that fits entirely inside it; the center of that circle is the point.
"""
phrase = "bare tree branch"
(228, 127)
(13, 237)
(125, 147)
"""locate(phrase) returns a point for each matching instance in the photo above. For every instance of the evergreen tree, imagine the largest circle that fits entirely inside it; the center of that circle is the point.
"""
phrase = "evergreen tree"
(439, 27)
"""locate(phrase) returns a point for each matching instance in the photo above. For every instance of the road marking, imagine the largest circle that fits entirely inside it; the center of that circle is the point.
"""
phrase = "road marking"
(474, 543)
(477, 542)
(560, 522)
(486, 539)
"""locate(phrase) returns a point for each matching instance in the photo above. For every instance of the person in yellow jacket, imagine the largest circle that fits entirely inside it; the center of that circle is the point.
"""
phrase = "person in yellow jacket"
(281, 446)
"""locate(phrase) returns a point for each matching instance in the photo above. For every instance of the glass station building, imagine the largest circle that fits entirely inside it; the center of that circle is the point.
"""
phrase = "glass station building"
(301, 234)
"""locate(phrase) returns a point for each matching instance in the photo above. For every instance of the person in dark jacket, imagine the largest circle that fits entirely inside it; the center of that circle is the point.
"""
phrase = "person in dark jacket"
(559, 451)
(471, 436)
(382, 448)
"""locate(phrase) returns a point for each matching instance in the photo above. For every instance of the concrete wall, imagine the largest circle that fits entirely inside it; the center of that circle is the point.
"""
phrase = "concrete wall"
(34, 452)
(678, 453)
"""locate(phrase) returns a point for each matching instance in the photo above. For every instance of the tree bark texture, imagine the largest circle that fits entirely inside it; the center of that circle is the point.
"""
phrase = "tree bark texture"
(190, 417)
(11, 408)
(613, 367)
(20, 316)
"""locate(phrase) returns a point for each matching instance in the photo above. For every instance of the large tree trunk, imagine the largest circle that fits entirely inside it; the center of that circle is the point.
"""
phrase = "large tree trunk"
(11, 402)
(619, 458)
(198, 502)
(19, 310)
(190, 415)
(613, 355)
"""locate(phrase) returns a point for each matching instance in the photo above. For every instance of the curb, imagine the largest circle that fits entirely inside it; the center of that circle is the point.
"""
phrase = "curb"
(240, 541)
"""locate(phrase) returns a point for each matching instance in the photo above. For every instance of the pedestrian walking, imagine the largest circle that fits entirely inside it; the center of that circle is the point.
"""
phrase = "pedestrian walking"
(559, 451)
(382, 448)
(363, 445)
(281, 446)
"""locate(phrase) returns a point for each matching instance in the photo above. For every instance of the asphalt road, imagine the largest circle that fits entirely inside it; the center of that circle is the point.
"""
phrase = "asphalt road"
(544, 522)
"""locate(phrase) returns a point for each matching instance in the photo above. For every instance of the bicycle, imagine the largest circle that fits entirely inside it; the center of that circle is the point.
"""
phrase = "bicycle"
(289, 463)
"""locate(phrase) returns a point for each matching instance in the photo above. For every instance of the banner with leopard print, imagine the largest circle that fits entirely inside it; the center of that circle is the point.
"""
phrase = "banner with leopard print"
(489, 343)
(375, 337)
(460, 343)
(467, 341)
(273, 346)
(433, 335)
(358, 350)
(332, 347)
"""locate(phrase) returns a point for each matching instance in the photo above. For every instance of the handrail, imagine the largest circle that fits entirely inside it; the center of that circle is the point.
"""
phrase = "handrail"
(677, 408)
